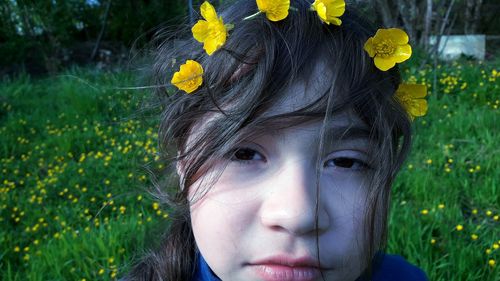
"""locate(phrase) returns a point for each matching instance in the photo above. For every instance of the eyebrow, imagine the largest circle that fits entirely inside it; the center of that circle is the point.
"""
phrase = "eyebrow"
(345, 133)
(335, 133)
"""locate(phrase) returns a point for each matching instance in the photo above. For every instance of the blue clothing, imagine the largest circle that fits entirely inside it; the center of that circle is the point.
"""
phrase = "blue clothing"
(392, 268)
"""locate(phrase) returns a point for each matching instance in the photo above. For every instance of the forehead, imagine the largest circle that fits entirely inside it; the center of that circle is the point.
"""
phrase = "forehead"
(308, 88)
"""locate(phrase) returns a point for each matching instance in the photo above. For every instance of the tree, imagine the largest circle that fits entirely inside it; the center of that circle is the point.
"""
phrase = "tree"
(472, 15)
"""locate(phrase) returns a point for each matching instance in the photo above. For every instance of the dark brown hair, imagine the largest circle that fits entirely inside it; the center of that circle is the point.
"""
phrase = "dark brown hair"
(243, 80)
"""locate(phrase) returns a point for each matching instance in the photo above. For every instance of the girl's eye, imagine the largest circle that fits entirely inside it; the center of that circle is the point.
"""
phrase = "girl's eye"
(246, 154)
(346, 163)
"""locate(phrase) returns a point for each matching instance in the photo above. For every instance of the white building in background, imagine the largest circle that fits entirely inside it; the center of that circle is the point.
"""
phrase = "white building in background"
(452, 46)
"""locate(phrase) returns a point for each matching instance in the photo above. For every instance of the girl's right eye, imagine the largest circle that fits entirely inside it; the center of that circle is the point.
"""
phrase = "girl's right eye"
(246, 154)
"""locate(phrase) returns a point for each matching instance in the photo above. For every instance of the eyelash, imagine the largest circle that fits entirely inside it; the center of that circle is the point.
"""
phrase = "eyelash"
(244, 149)
(339, 162)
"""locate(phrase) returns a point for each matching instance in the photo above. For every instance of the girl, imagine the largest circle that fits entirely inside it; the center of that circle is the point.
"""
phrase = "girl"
(288, 136)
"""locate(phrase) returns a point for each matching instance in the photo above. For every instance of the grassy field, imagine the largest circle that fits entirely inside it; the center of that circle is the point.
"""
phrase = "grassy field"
(73, 204)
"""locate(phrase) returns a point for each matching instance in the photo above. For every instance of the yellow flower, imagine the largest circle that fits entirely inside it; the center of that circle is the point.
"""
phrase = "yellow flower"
(189, 77)
(411, 97)
(388, 47)
(156, 206)
(459, 227)
(275, 10)
(329, 11)
(211, 31)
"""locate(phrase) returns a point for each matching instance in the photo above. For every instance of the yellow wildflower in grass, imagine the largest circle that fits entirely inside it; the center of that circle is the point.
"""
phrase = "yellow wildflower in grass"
(474, 236)
(275, 10)
(491, 262)
(189, 77)
(156, 206)
(411, 97)
(211, 31)
(329, 11)
(459, 227)
(388, 47)
(424, 212)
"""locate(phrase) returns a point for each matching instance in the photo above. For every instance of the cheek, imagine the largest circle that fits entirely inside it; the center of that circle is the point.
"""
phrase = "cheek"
(346, 203)
(222, 219)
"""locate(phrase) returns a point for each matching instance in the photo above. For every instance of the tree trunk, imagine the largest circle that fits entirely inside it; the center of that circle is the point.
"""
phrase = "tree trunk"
(424, 40)
(469, 6)
(101, 33)
(408, 11)
(477, 16)
(384, 9)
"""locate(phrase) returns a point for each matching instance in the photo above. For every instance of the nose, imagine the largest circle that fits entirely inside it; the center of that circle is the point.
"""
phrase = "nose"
(290, 203)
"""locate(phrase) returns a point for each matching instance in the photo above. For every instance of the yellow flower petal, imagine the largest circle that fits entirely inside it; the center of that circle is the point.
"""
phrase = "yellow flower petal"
(275, 10)
(411, 97)
(329, 11)
(383, 63)
(418, 108)
(211, 46)
(211, 31)
(402, 53)
(414, 90)
(388, 47)
(200, 30)
(189, 77)
(369, 47)
(397, 35)
(208, 11)
(320, 8)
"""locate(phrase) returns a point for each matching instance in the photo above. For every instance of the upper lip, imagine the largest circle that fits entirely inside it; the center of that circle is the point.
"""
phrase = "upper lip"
(304, 261)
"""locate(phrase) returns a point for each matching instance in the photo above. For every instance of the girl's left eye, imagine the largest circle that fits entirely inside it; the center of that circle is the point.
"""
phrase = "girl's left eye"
(346, 163)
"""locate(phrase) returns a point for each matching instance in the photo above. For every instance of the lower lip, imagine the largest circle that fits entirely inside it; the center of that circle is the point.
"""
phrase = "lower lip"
(275, 272)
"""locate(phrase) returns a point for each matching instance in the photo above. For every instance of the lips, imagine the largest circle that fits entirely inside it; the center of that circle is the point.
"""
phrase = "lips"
(287, 268)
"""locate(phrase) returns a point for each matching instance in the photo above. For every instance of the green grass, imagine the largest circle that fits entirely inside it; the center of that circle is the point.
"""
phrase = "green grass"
(72, 193)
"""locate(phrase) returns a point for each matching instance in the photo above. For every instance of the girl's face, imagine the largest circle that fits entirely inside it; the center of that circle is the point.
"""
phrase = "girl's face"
(258, 221)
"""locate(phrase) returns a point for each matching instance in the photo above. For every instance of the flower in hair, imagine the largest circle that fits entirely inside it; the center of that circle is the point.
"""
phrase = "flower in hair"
(211, 31)
(388, 47)
(189, 77)
(411, 97)
(275, 10)
(329, 11)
